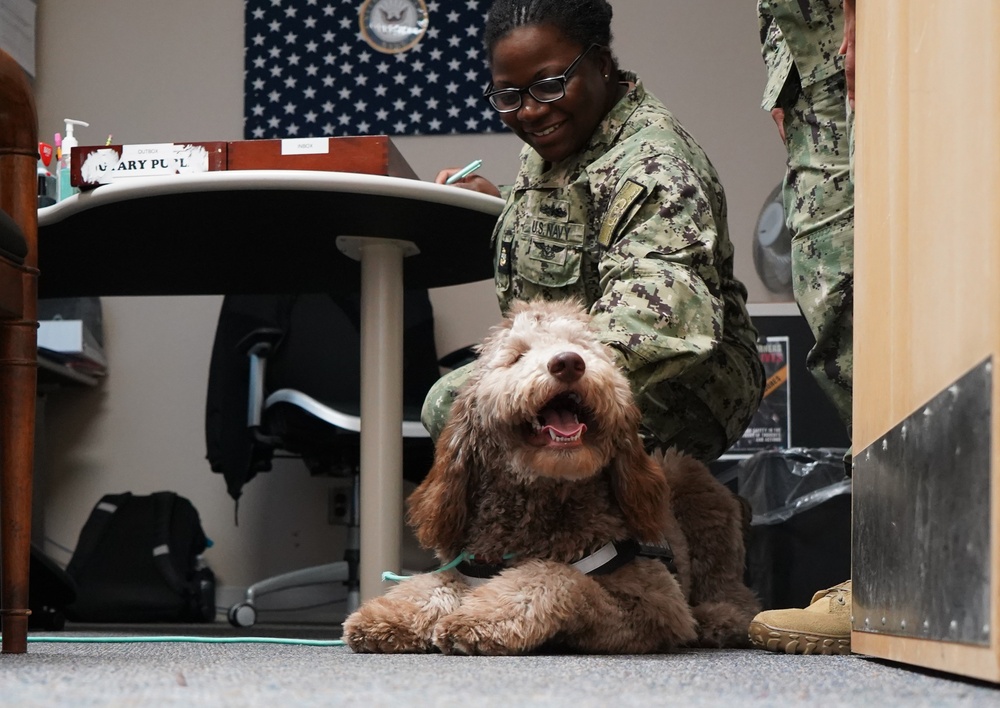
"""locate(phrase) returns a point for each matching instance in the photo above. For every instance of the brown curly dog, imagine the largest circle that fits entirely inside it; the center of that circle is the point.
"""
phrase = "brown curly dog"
(573, 536)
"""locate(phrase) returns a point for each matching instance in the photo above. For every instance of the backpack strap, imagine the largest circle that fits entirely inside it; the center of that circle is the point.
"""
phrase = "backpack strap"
(94, 528)
(163, 511)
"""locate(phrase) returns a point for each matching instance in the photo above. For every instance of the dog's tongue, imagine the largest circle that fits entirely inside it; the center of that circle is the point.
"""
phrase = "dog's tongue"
(562, 422)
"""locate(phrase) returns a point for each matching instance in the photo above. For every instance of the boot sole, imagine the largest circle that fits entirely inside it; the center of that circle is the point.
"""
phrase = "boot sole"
(789, 642)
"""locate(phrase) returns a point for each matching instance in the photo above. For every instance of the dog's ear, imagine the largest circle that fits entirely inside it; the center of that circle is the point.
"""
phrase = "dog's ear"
(640, 486)
(438, 508)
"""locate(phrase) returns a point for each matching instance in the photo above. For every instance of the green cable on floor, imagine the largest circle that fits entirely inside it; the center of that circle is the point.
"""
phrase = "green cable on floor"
(196, 640)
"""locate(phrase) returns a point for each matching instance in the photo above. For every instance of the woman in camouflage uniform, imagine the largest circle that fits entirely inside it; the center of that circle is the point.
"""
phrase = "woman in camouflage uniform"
(616, 205)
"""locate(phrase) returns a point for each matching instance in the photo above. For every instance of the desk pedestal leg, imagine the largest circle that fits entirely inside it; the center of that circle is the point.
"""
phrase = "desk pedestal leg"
(381, 405)
(18, 374)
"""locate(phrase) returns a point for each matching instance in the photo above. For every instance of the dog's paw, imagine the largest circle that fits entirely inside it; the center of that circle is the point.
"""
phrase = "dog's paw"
(459, 633)
(721, 624)
(378, 628)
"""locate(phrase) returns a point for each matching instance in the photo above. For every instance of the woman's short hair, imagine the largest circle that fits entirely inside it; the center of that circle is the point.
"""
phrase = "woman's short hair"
(584, 21)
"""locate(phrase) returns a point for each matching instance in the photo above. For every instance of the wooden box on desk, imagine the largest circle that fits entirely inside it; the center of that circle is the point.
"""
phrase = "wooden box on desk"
(373, 155)
(92, 165)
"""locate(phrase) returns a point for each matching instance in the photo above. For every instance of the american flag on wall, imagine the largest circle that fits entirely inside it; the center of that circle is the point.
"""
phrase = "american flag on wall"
(319, 68)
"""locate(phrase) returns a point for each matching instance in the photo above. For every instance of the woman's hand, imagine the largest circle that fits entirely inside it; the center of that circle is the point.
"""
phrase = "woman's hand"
(847, 47)
(472, 182)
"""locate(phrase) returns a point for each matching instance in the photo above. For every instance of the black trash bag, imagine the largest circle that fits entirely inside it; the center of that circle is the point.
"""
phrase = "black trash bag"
(800, 534)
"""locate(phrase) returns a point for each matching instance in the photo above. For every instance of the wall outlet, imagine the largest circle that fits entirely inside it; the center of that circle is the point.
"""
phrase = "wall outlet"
(338, 505)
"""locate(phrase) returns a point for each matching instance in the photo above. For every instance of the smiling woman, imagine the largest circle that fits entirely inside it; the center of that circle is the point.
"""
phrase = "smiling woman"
(615, 206)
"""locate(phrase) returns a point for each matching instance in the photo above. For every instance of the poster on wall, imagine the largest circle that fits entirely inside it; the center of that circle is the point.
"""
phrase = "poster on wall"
(17, 32)
(771, 427)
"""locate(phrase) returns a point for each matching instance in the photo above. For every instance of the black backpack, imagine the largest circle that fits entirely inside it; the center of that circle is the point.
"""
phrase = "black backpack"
(139, 560)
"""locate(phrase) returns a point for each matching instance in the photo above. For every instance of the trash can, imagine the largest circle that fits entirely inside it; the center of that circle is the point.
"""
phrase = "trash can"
(800, 534)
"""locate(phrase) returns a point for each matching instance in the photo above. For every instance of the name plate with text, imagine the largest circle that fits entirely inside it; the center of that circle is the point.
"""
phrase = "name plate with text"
(91, 165)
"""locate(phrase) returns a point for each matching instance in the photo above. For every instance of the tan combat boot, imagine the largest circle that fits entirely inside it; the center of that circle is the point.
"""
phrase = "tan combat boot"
(822, 628)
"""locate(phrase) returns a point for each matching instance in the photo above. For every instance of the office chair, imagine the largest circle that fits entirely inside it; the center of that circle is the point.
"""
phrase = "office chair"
(18, 341)
(298, 367)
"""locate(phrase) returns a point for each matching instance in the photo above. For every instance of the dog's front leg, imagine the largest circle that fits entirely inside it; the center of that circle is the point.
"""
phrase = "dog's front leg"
(403, 620)
(516, 612)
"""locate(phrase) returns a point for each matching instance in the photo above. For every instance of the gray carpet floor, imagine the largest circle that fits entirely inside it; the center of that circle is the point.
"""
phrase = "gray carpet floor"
(250, 674)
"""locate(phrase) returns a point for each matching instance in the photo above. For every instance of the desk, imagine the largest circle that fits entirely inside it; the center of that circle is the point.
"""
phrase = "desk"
(276, 231)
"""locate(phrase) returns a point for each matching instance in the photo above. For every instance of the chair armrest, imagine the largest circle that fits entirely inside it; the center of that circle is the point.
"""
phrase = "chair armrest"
(258, 345)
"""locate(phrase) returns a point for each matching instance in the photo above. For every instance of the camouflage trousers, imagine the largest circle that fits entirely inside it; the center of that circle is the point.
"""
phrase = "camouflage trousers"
(703, 416)
(819, 206)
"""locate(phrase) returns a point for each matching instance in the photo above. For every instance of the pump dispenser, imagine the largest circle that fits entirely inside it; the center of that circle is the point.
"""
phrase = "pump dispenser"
(69, 142)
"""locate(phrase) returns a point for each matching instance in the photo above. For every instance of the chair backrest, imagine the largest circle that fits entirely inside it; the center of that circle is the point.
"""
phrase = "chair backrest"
(319, 355)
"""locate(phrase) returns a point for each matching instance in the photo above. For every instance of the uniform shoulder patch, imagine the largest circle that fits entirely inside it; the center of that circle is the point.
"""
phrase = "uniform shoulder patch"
(630, 193)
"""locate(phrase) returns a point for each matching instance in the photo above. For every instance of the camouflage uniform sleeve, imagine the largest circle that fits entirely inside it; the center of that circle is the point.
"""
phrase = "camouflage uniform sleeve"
(777, 57)
(661, 308)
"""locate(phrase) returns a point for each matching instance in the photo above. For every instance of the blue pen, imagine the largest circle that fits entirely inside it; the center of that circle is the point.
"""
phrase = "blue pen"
(465, 171)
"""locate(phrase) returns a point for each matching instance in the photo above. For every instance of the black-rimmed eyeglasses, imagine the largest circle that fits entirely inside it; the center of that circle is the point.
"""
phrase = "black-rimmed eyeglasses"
(508, 100)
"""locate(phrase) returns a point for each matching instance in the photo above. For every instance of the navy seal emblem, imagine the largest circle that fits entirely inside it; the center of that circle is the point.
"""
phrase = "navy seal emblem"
(393, 26)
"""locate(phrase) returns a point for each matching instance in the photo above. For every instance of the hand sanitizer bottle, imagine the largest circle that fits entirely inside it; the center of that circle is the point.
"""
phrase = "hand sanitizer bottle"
(69, 142)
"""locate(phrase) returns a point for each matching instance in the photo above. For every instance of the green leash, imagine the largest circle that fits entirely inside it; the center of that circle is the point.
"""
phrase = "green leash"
(387, 575)
(183, 639)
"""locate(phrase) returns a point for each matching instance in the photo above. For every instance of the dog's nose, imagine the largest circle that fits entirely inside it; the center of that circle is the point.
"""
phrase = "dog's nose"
(567, 366)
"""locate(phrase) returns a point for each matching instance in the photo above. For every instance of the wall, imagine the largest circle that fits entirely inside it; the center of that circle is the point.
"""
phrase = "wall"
(152, 71)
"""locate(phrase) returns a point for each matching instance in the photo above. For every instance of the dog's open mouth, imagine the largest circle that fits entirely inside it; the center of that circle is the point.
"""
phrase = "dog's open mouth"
(559, 422)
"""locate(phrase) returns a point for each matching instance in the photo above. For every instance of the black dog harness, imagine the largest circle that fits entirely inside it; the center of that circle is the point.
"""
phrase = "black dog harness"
(603, 561)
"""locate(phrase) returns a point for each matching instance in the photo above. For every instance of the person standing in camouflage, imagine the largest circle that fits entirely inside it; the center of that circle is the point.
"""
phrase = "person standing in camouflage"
(616, 205)
(807, 95)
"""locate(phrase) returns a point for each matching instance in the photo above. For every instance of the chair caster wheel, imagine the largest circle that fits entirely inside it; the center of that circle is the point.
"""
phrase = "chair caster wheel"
(242, 614)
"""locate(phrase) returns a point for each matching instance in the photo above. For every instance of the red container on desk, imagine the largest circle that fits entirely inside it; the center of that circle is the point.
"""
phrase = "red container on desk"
(370, 154)
(373, 155)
